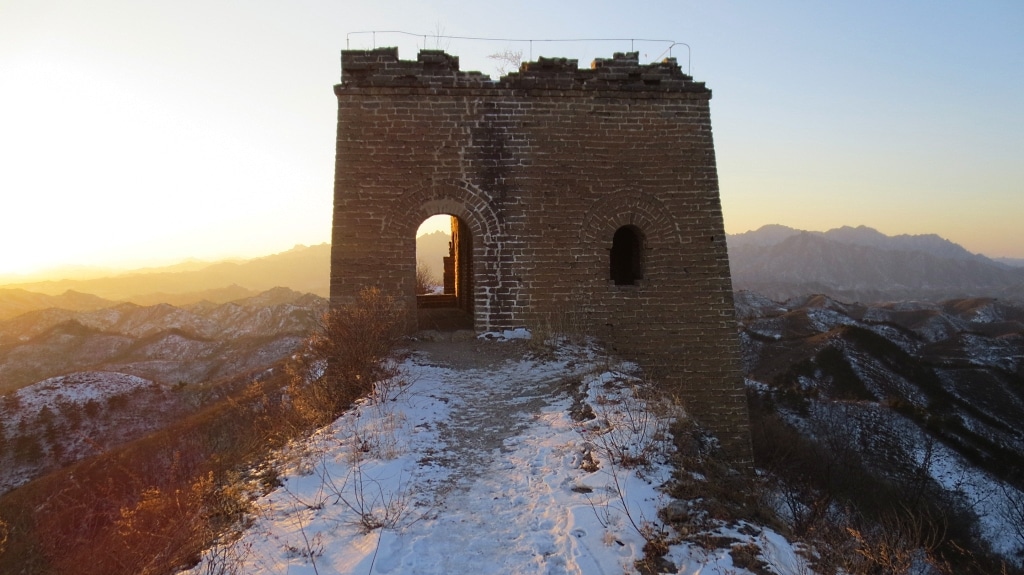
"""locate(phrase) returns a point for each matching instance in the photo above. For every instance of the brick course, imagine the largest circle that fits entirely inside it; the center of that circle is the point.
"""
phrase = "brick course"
(541, 167)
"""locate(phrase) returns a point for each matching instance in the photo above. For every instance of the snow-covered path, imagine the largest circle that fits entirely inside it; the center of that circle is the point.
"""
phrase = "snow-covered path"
(487, 411)
(524, 516)
(476, 470)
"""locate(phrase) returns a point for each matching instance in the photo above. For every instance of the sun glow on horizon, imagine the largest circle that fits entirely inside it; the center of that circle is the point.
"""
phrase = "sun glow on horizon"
(120, 177)
(142, 134)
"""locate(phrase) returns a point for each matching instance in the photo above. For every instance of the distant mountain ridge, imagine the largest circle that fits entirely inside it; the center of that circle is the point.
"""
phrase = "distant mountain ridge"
(431, 249)
(1013, 262)
(303, 268)
(854, 264)
(859, 236)
(862, 264)
(16, 301)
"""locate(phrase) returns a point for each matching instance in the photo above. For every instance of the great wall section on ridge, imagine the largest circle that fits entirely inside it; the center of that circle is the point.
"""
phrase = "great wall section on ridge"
(579, 196)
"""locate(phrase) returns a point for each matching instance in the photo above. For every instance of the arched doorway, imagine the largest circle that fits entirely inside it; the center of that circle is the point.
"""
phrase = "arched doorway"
(444, 274)
(433, 247)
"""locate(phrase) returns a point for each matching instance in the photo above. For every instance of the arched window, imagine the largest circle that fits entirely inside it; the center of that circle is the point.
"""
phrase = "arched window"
(627, 264)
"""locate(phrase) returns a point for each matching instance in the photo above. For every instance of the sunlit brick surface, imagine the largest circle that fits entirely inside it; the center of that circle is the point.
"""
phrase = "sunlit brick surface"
(543, 166)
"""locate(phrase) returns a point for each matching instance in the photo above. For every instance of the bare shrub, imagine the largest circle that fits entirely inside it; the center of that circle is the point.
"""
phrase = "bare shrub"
(1013, 513)
(345, 356)
(127, 527)
(901, 539)
(426, 279)
(374, 502)
(226, 559)
(164, 527)
(507, 60)
(4, 532)
(630, 430)
(631, 434)
(567, 321)
(748, 556)
(374, 505)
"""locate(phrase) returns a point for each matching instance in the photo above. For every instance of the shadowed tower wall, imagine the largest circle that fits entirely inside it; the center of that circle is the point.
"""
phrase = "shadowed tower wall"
(588, 197)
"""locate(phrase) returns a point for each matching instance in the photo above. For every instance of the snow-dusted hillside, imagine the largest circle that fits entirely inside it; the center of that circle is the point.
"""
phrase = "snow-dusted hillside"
(75, 383)
(62, 419)
(163, 343)
(484, 469)
(490, 465)
(927, 394)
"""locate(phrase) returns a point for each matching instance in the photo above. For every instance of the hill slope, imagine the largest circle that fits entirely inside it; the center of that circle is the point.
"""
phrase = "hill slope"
(923, 394)
(482, 468)
(76, 382)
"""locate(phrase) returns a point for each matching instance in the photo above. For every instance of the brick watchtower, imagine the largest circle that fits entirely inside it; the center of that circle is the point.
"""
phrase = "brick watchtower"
(582, 197)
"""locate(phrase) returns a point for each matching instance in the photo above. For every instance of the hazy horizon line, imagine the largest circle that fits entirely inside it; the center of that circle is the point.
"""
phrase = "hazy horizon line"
(81, 272)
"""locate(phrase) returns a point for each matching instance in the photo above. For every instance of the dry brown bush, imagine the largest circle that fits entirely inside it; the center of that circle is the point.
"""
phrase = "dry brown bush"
(426, 280)
(4, 531)
(347, 353)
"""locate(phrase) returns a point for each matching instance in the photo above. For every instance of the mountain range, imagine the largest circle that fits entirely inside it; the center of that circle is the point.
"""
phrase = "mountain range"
(303, 268)
(863, 265)
(925, 394)
(849, 264)
(162, 343)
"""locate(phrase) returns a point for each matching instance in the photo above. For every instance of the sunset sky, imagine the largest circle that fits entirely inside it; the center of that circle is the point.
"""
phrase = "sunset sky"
(138, 133)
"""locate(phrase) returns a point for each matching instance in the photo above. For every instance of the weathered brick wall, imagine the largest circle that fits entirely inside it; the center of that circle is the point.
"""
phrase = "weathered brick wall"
(542, 167)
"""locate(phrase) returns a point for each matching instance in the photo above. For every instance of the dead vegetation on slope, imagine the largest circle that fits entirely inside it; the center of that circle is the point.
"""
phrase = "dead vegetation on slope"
(151, 506)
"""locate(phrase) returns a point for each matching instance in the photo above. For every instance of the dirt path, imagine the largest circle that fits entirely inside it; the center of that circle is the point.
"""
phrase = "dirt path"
(461, 350)
(502, 504)
(494, 394)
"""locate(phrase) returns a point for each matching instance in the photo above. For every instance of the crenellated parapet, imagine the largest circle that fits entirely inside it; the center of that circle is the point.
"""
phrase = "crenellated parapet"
(623, 71)
(381, 67)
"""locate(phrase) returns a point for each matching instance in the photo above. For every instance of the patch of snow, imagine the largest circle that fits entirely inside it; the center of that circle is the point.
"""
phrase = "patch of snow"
(481, 471)
(996, 352)
(75, 388)
(768, 327)
(987, 313)
(826, 319)
(984, 495)
(896, 336)
(507, 335)
(772, 332)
